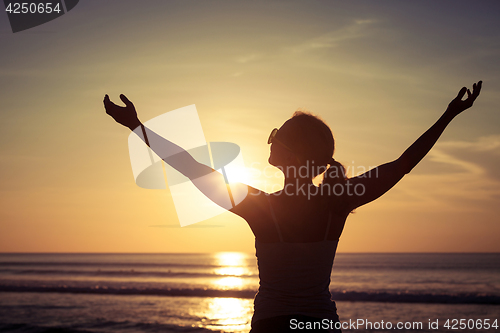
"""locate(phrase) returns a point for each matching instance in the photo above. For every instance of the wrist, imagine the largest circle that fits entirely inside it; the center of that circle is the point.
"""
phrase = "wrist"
(449, 114)
(132, 126)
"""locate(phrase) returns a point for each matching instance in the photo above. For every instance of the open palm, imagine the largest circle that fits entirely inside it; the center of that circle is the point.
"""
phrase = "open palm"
(458, 105)
(125, 115)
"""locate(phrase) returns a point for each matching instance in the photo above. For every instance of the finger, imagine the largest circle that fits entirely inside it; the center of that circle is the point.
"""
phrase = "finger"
(108, 103)
(469, 94)
(477, 89)
(461, 93)
(126, 100)
(110, 107)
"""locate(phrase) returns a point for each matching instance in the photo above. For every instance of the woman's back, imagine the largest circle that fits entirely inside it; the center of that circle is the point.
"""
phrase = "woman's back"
(295, 279)
(295, 276)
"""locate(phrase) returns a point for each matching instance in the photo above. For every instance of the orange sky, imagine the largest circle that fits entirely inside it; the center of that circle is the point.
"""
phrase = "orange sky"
(379, 74)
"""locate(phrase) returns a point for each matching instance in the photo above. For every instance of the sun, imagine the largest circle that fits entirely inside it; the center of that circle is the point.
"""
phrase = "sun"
(237, 174)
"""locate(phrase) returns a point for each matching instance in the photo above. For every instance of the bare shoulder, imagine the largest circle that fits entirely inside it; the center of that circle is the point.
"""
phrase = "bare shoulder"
(255, 210)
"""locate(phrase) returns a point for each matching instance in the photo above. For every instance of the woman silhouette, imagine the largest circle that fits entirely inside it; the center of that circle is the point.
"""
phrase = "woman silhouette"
(297, 229)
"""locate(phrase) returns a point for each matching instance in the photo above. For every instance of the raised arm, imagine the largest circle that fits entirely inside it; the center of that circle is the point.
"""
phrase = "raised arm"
(376, 182)
(208, 181)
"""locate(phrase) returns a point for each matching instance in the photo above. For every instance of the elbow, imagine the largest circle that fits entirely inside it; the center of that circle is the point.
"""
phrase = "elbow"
(404, 165)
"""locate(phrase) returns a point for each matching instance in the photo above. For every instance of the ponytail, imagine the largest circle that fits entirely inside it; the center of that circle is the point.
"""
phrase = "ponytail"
(335, 174)
(334, 182)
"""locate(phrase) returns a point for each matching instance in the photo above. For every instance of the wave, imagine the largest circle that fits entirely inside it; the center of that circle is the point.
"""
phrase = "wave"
(470, 298)
(196, 292)
(352, 296)
(107, 264)
(119, 273)
(33, 328)
(99, 326)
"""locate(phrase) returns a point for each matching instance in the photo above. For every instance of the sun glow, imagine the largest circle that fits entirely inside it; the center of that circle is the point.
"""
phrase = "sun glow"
(237, 174)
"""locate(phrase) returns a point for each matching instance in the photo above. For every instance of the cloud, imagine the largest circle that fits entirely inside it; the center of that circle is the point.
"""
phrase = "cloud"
(248, 58)
(480, 157)
(456, 175)
(355, 30)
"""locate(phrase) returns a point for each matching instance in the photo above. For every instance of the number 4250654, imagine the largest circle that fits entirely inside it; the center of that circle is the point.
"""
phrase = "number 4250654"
(33, 8)
(462, 324)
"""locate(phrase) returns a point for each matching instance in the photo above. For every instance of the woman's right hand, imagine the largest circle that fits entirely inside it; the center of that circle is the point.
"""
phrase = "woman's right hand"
(124, 115)
(458, 105)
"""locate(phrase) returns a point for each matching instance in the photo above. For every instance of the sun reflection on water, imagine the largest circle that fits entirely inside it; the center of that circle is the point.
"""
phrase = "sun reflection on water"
(237, 271)
(229, 314)
(233, 266)
(229, 282)
(230, 258)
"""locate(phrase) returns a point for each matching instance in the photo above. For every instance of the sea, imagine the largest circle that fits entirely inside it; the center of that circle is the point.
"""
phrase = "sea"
(213, 292)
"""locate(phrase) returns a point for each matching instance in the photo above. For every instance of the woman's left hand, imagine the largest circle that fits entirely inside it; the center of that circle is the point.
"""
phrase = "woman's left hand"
(458, 105)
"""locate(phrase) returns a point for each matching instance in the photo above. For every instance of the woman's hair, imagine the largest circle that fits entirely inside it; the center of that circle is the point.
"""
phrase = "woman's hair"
(314, 144)
(312, 141)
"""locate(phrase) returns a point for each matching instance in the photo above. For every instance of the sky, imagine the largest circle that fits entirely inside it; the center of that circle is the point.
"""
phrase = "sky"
(379, 73)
